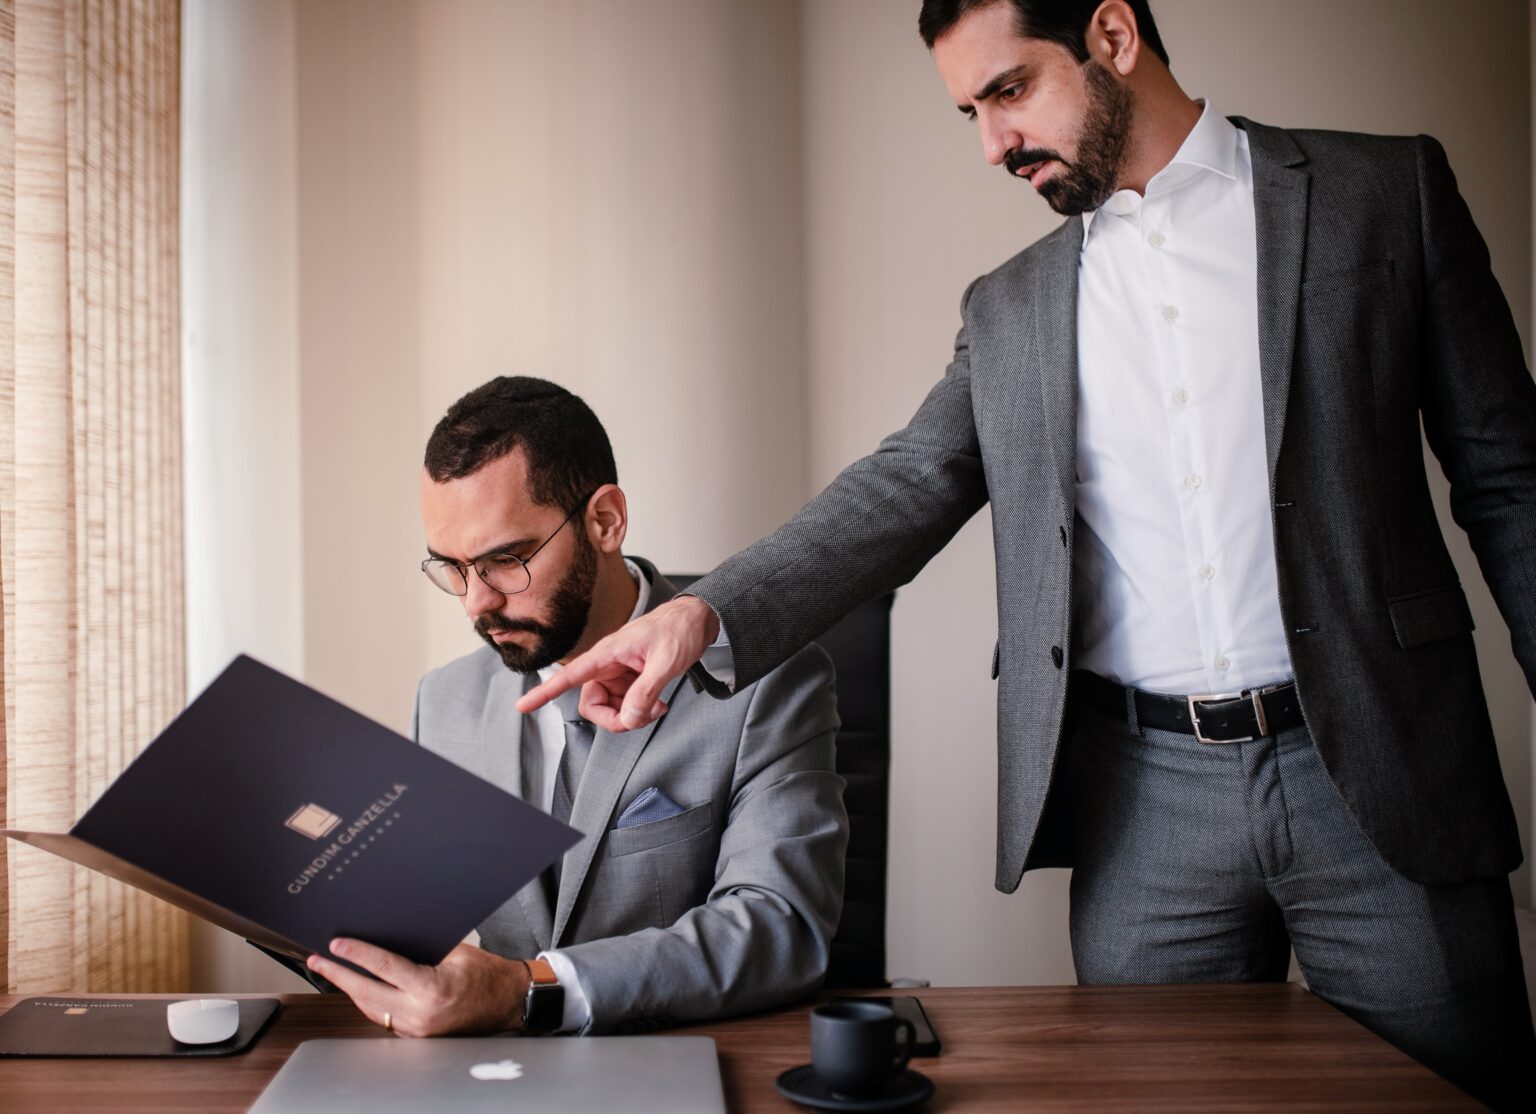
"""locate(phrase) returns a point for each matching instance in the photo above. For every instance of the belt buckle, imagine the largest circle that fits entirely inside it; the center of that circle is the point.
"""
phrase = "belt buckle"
(1258, 712)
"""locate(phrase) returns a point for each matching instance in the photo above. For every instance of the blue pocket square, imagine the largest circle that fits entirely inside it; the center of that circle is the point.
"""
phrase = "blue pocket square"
(649, 807)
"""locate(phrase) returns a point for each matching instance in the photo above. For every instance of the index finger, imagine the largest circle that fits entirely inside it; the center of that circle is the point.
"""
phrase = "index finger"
(578, 672)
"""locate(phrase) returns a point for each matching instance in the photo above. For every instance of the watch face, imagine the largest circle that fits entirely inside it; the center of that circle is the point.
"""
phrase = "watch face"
(544, 1008)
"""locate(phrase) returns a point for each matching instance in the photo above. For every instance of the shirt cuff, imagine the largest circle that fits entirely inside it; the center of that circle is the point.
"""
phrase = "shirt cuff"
(721, 639)
(718, 660)
(578, 1011)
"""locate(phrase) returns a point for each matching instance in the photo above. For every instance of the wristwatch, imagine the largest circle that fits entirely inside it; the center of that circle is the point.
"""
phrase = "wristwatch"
(544, 1007)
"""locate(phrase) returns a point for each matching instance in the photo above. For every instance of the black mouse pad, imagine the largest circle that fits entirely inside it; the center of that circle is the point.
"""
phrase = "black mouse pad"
(64, 1026)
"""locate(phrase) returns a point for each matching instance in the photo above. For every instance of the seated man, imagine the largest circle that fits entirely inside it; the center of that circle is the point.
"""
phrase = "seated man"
(710, 877)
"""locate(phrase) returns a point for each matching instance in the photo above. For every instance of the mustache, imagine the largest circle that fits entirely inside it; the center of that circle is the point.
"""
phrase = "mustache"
(1016, 159)
(494, 622)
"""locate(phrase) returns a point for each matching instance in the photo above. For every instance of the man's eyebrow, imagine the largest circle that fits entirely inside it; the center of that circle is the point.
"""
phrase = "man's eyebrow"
(505, 547)
(1007, 77)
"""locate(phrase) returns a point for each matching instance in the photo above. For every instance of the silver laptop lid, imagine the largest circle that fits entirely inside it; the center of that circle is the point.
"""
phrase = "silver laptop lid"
(446, 1075)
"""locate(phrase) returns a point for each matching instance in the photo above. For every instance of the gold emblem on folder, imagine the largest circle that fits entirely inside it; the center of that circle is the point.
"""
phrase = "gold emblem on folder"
(313, 821)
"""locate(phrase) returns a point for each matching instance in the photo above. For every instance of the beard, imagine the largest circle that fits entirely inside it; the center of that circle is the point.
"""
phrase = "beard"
(1087, 182)
(569, 609)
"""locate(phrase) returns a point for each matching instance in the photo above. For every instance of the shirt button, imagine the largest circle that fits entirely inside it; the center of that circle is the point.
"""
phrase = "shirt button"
(1157, 239)
(1192, 482)
(1170, 313)
(1123, 202)
(1181, 396)
(1222, 664)
(1057, 657)
(1207, 572)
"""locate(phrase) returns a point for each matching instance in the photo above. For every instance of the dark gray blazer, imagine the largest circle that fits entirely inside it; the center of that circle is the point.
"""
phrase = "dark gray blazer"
(1377, 310)
(728, 906)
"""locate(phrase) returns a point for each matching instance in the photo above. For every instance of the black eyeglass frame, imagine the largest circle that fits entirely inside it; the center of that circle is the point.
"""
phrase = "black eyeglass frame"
(478, 563)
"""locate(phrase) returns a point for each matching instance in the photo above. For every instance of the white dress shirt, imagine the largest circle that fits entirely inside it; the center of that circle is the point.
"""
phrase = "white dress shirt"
(543, 742)
(1174, 580)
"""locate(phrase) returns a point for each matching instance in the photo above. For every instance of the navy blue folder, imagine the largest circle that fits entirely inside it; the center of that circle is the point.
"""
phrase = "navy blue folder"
(279, 814)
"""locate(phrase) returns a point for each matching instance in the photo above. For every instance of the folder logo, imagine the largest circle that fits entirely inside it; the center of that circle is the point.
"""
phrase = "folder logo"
(313, 821)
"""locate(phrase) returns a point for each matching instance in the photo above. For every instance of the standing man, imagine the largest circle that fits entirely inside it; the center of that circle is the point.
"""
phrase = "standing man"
(1195, 411)
(709, 877)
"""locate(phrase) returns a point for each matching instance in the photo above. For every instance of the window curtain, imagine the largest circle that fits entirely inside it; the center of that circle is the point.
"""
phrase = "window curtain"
(90, 467)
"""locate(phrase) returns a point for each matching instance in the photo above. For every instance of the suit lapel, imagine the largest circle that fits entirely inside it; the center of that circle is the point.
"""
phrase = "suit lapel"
(500, 753)
(608, 768)
(499, 749)
(1280, 187)
(1054, 299)
(609, 765)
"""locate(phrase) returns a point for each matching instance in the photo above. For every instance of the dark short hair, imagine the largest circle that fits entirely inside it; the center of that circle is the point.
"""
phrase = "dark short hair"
(566, 447)
(1058, 21)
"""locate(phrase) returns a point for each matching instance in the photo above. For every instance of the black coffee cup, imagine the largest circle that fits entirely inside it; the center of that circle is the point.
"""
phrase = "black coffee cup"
(854, 1049)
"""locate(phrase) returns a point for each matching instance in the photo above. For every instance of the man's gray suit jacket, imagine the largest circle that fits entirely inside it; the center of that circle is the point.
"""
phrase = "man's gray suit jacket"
(726, 907)
(1377, 310)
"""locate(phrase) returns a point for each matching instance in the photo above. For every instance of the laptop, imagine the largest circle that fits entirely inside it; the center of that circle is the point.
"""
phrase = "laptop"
(447, 1075)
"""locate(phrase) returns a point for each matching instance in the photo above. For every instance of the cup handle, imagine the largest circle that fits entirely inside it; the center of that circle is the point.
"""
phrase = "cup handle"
(902, 1024)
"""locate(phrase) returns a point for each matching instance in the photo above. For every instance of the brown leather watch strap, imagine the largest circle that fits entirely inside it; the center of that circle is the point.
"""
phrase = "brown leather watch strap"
(544, 1004)
(540, 972)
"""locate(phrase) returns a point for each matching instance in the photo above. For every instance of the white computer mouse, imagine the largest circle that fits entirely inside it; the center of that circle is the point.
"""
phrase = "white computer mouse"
(203, 1020)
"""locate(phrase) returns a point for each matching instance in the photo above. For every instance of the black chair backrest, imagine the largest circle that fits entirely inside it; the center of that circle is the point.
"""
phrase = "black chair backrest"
(860, 648)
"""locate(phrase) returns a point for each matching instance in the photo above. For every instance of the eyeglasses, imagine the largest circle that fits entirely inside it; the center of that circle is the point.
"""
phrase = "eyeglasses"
(505, 573)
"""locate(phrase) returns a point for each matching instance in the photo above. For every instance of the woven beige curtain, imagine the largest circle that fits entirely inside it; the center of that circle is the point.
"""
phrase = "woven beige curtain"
(90, 466)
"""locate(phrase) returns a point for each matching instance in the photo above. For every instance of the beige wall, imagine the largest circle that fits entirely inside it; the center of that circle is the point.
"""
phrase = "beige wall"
(741, 230)
(491, 188)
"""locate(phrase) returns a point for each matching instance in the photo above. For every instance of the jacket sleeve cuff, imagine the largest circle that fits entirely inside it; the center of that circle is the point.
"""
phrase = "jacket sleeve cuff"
(578, 1011)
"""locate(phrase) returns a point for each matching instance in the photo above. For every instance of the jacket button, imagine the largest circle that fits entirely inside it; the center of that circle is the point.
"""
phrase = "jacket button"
(1063, 530)
(1056, 656)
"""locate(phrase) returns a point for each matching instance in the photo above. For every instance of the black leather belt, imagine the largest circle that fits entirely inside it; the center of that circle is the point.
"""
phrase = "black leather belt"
(1228, 717)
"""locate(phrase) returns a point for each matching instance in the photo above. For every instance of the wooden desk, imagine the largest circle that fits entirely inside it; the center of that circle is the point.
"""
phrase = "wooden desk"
(1176, 1048)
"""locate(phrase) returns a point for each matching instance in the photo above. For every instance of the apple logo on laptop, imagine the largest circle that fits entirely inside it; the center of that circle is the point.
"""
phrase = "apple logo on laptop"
(501, 1069)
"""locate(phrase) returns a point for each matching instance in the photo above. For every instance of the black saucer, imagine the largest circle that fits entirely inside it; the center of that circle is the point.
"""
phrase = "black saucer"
(804, 1086)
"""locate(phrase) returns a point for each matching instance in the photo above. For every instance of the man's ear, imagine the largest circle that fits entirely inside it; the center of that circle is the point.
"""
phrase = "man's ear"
(1113, 39)
(607, 518)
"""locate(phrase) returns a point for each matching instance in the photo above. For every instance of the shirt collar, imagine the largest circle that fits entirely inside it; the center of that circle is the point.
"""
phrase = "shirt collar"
(642, 598)
(1212, 144)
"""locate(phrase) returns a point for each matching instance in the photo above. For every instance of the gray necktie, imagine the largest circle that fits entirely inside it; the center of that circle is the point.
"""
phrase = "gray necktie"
(573, 759)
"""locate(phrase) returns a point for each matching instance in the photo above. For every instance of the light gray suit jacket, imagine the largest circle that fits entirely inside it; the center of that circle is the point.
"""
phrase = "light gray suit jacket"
(727, 907)
(1377, 311)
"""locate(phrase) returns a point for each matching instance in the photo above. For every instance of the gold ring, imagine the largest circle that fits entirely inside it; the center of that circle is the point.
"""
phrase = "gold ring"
(388, 1020)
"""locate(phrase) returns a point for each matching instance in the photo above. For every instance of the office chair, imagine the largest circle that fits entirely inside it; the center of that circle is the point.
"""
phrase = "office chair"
(860, 648)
